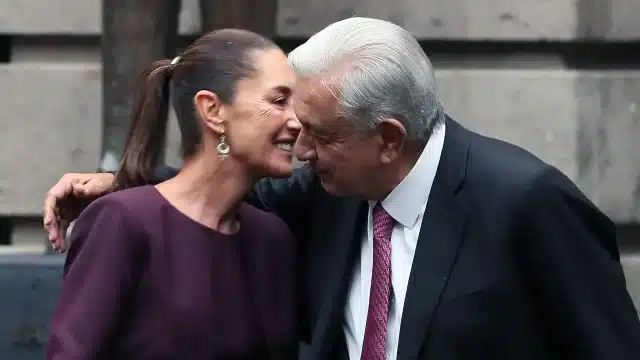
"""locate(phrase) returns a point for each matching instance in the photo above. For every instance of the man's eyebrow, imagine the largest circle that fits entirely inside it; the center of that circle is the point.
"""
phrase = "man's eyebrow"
(307, 125)
(311, 127)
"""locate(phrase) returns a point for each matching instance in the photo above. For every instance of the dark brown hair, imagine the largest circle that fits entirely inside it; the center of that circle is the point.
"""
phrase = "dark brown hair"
(214, 62)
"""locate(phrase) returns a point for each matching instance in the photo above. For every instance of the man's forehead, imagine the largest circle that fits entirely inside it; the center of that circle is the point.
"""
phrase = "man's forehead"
(313, 95)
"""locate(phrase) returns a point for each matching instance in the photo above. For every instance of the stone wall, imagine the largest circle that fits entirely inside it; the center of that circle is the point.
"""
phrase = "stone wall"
(585, 121)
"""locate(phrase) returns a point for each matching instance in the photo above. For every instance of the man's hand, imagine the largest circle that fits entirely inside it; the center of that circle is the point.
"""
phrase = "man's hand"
(66, 200)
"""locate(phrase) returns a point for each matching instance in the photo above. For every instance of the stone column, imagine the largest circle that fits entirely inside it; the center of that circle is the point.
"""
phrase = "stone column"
(135, 33)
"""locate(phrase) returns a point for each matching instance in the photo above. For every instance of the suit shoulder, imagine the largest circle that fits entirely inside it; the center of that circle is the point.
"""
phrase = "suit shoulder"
(502, 163)
(499, 168)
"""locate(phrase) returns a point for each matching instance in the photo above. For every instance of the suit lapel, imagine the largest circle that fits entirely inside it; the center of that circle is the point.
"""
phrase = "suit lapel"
(438, 243)
(344, 222)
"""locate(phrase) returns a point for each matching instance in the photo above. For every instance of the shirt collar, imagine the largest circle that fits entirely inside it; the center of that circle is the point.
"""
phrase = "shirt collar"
(408, 199)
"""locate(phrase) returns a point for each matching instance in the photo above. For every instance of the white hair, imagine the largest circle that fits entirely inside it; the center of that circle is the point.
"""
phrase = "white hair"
(383, 72)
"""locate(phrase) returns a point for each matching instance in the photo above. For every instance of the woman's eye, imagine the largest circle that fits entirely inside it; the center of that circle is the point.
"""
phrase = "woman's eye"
(280, 101)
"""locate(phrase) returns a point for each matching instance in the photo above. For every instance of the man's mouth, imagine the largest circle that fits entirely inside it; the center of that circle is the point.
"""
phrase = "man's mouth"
(319, 171)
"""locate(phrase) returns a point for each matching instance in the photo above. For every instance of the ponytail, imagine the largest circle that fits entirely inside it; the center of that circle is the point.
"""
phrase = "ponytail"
(146, 141)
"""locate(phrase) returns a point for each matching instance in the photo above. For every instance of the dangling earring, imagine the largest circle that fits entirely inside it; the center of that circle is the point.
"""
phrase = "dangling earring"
(223, 148)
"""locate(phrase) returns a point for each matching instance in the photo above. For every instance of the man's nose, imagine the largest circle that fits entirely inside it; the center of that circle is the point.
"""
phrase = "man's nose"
(304, 149)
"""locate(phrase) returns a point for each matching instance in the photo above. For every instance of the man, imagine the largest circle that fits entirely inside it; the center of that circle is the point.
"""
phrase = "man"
(421, 239)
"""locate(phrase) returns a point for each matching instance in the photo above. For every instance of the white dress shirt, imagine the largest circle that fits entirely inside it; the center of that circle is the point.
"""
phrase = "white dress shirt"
(406, 204)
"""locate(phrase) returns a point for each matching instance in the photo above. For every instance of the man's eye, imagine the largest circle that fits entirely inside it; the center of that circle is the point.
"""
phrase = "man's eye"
(321, 139)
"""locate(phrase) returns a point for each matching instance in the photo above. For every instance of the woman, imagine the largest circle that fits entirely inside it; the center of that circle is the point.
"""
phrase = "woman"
(184, 269)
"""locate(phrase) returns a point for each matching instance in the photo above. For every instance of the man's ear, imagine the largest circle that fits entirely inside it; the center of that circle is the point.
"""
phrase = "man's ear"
(392, 137)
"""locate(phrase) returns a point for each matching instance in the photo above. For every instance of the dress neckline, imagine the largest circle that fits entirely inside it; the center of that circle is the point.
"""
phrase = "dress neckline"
(187, 219)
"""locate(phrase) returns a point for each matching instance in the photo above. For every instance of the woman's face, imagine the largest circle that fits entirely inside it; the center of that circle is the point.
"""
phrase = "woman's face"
(260, 124)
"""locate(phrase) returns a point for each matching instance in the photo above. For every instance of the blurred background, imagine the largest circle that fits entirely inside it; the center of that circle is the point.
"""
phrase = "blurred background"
(558, 77)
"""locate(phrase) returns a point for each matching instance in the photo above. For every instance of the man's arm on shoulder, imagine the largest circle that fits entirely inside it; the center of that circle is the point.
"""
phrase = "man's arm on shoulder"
(569, 255)
(289, 198)
(281, 196)
(164, 173)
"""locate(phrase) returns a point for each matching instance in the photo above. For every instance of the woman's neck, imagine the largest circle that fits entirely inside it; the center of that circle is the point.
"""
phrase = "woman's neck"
(209, 192)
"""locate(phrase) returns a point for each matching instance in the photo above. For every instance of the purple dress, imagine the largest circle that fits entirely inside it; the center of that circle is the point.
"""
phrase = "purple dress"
(143, 281)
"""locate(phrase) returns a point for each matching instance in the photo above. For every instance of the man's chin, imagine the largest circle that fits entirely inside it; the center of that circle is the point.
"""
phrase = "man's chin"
(330, 188)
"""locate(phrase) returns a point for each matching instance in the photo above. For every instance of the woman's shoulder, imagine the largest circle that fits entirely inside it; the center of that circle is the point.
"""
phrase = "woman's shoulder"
(132, 206)
(133, 197)
(134, 201)
(113, 221)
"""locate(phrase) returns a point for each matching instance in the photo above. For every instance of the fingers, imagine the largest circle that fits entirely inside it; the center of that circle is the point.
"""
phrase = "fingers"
(67, 198)
(60, 243)
(50, 209)
(58, 240)
(64, 187)
(95, 186)
(81, 189)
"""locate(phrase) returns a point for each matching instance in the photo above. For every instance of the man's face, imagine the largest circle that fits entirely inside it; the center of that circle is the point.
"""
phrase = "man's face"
(345, 160)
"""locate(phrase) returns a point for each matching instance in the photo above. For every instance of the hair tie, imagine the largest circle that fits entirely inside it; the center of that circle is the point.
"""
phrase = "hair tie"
(175, 60)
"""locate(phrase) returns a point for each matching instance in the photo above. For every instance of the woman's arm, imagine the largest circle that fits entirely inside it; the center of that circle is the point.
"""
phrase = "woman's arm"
(100, 274)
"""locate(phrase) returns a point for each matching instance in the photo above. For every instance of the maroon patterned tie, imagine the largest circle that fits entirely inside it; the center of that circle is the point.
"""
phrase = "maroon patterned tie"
(375, 333)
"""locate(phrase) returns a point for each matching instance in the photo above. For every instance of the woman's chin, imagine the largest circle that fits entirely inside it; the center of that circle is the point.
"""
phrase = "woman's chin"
(280, 170)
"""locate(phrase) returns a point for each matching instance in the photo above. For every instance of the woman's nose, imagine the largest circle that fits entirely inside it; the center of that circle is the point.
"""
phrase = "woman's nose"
(294, 124)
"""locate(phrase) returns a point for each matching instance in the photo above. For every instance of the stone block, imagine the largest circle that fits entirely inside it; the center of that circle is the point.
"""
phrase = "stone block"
(28, 233)
(473, 19)
(26, 309)
(608, 19)
(631, 265)
(533, 109)
(608, 154)
(51, 125)
(65, 17)
(72, 17)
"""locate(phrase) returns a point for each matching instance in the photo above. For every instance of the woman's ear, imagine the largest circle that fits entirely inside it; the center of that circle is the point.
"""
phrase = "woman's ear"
(209, 108)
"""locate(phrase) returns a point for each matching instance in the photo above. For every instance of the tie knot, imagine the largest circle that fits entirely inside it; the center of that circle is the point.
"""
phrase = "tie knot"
(382, 221)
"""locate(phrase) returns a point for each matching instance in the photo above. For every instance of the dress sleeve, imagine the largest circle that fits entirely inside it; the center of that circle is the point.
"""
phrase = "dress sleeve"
(100, 274)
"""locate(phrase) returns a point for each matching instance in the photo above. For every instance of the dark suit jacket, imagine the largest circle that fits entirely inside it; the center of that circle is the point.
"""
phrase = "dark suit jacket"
(512, 262)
